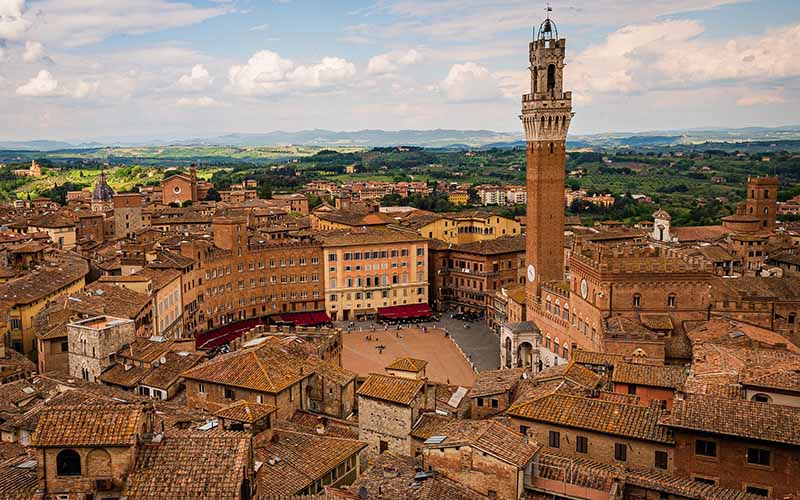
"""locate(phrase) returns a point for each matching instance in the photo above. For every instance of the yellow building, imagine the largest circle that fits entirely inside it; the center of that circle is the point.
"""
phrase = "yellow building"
(24, 297)
(461, 227)
(164, 286)
(61, 230)
(459, 197)
(370, 268)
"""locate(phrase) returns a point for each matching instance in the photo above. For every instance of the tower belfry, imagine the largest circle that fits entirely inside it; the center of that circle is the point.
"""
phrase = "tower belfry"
(546, 115)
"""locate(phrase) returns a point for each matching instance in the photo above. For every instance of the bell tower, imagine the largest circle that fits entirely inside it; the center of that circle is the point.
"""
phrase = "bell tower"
(546, 114)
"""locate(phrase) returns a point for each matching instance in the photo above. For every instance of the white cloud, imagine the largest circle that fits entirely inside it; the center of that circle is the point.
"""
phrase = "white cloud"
(470, 82)
(42, 85)
(34, 51)
(79, 22)
(669, 55)
(13, 24)
(260, 27)
(267, 73)
(392, 61)
(198, 79)
(197, 102)
(84, 89)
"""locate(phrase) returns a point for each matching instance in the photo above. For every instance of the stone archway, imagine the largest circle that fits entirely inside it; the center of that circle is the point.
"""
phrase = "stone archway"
(525, 355)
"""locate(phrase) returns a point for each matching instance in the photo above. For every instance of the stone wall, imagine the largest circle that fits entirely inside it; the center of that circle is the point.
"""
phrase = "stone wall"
(476, 470)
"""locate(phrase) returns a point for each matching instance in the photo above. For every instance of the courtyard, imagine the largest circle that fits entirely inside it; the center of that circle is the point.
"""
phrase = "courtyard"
(370, 350)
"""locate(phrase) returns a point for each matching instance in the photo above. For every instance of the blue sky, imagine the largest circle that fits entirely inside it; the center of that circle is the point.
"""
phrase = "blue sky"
(93, 69)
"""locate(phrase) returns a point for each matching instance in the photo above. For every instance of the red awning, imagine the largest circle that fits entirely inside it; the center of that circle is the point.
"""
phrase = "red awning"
(222, 335)
(303, 318)
(408, 311)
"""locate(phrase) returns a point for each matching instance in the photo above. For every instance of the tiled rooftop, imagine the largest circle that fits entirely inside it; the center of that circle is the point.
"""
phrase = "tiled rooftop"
(671, 377)
(488, 436)
(738, 418)
(267, 368)
(190, 468)
(496, 382)
(245, 411)
(302, 459)
(393, 389)
(88, 426)
(598, 415)
(407, 365)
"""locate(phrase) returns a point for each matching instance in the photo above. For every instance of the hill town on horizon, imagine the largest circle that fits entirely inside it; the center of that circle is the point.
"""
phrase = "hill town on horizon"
(425, 313)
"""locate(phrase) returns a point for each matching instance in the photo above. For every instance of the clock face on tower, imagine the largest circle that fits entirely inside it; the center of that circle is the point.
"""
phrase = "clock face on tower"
(531, 273)
(584, 289)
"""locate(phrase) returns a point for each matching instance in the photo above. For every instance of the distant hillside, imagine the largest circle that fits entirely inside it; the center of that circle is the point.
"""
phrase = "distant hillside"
(439, 138)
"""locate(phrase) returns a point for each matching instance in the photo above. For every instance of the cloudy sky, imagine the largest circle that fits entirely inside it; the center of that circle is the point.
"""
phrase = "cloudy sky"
(93, 69)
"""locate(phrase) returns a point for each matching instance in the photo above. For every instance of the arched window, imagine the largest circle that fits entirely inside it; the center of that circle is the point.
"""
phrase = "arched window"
(792, 318)
(547, 344)
(551, 77)
(637, 300)
(761, 398)
(566, 312)
(766, 210)
(672, 300)
(552, 148)
(535, 79)
(766, 194)
(566, 351)
(548, 304)
(68, 463)
(556, 346)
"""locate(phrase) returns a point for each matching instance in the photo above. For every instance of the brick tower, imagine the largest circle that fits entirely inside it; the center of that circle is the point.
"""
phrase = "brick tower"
(762, 201)
(546, 114)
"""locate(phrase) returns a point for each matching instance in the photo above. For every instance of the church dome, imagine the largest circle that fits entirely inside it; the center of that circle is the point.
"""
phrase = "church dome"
(102, 191)
(661, 214)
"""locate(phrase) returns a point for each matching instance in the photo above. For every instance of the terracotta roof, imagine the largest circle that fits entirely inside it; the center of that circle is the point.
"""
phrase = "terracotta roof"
(596, 475)
(37, 284)
(190, 468)
(616, 397)
(302, 459)
(656, 321)
(245, 411)
(638, 422)
(391, 477)
(19, 478)
(123, 375)
(407, 365)
(398, 390)
(266, 368)
(166, 374)
(596, 358)
(88, 426)
(671, 377)
(582, 376)
(310, 423)
(491, 437)
(160, 277)
(430, 424)
(366, 236)
(698, 233)
(783, 379)
(739, 418)
(496, 382)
